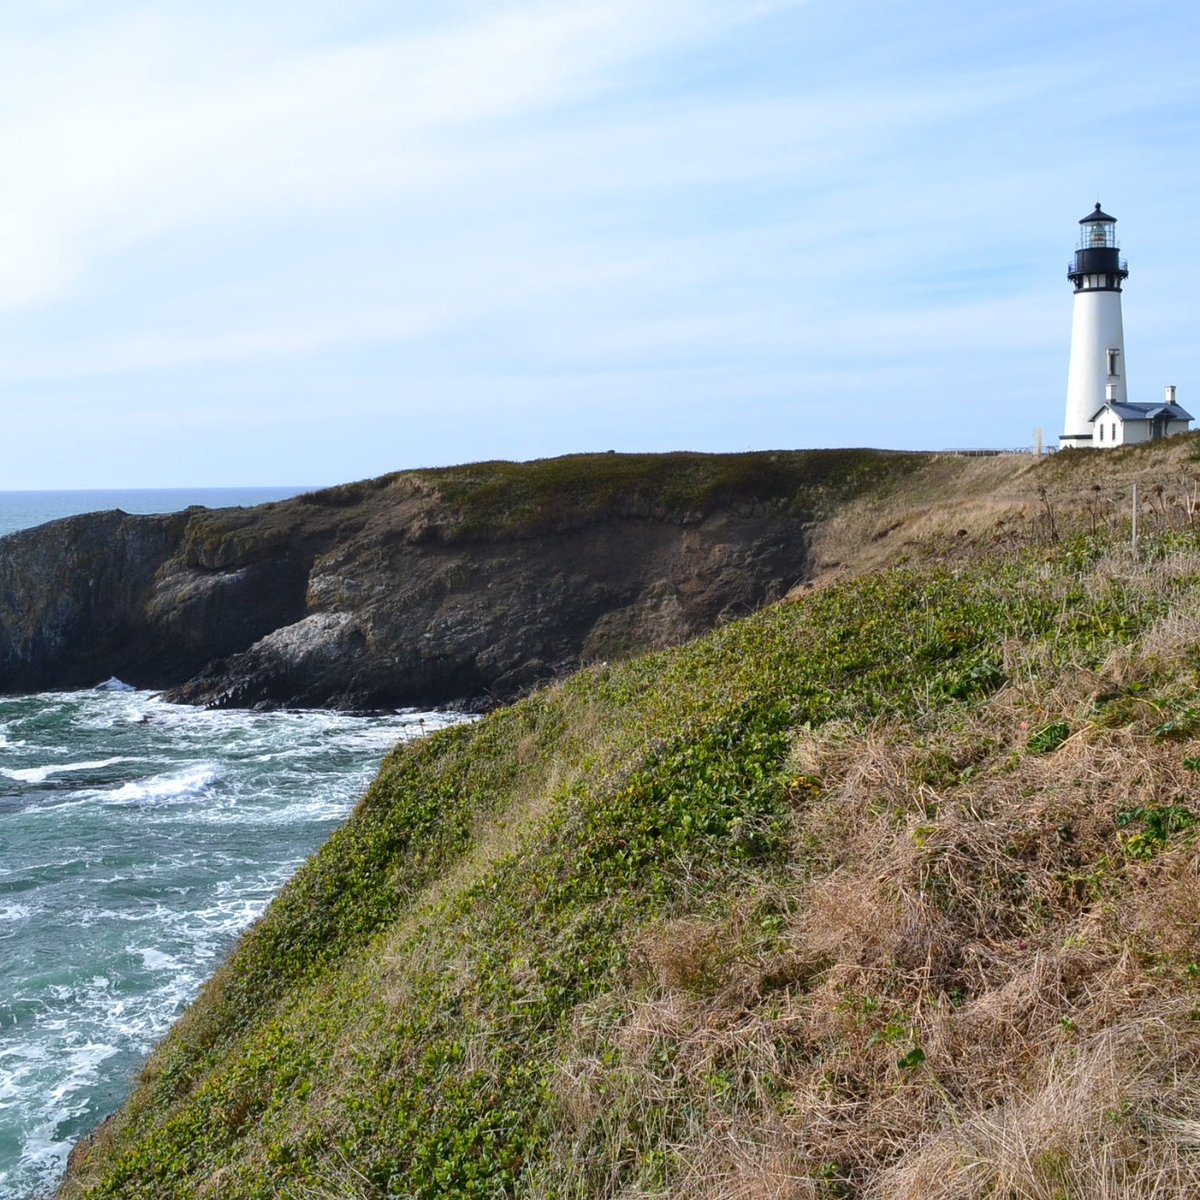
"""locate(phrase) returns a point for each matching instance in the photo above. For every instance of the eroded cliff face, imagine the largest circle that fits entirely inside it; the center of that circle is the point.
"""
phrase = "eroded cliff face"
(379, 594)
(391, 622)
(73, 598)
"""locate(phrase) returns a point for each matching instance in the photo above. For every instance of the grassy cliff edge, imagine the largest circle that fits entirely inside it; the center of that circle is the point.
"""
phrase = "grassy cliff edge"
(885, 891)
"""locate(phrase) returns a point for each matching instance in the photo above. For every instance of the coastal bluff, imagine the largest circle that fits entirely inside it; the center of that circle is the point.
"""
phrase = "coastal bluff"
(813, 904)
(464, 585)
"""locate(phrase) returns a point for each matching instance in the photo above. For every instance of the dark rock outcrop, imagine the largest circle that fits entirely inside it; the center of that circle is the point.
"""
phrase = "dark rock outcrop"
(423, 624)
(398, 591)
(73, 599)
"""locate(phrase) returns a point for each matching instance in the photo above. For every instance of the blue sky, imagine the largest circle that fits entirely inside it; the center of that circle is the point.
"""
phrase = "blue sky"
(312, 241)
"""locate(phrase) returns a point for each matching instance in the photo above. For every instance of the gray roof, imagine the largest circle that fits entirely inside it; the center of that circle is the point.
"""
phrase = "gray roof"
(1145, 412)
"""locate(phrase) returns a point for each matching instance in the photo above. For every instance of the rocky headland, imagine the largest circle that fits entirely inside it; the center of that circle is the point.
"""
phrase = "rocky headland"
(460, 586)
(468, 586)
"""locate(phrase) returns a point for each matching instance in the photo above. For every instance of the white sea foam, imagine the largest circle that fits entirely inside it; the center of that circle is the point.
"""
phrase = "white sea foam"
(172, 787)
(74, 1065)
(113, 684)
(41, 774)
(121, 916)
(129, 892)
(314, 810)
(155, 960)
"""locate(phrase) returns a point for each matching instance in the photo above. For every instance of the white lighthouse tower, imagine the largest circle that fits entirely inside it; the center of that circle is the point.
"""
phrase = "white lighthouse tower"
(1096, 375)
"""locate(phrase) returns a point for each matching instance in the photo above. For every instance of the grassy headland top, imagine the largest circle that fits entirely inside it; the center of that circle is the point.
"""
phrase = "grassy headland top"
(553, 494)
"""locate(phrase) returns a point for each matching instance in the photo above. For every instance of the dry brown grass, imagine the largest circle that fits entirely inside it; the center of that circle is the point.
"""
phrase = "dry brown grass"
(954, 507)
(977, 991)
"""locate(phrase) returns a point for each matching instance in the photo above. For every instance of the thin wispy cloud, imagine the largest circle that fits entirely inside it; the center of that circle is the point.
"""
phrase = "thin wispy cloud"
(682, 222)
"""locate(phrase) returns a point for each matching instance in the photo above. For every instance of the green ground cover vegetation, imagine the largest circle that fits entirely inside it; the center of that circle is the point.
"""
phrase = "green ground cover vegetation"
(882, 891)
(551, 494)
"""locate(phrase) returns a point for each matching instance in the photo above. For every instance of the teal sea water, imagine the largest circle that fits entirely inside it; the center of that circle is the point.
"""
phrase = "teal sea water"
(137, 839)
(21, 510)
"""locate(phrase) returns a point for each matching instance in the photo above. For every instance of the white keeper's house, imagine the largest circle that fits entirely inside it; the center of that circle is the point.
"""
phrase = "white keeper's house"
(1099, 411)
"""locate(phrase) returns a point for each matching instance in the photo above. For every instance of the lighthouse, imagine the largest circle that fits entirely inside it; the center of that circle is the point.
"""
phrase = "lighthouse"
(1096, 375)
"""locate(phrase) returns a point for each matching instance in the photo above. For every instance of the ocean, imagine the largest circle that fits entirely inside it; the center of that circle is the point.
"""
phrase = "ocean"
(137, 840)
(21, 510)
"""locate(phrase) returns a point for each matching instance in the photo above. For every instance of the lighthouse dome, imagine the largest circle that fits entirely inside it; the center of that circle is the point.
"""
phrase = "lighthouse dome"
(1097, 214)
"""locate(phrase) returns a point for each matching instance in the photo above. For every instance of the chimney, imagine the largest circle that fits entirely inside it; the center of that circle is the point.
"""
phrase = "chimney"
(1170, 393)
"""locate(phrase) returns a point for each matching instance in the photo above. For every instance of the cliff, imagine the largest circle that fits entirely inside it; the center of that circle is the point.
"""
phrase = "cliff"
(421, 588)
(887, 891)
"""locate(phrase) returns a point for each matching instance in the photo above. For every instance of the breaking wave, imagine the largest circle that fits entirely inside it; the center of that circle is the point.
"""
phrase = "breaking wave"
(140, 839)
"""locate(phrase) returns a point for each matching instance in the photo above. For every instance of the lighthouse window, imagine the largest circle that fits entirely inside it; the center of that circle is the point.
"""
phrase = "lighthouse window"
(1113, 363)
(1102, 431)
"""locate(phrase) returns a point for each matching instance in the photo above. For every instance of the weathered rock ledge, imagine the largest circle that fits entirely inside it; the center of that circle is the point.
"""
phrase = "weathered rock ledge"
(430, 588)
